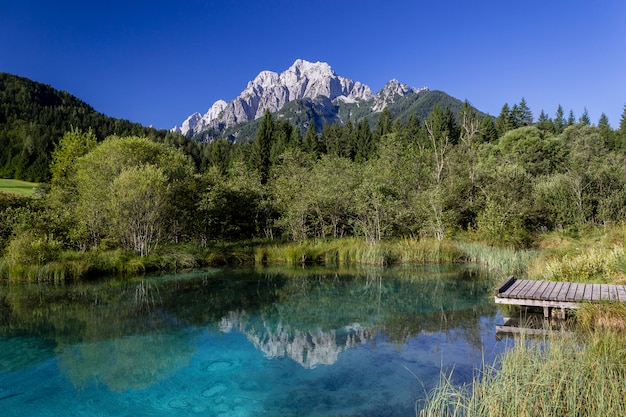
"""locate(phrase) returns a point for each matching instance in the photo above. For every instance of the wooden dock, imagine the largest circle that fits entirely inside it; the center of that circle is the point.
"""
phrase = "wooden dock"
(563, 295)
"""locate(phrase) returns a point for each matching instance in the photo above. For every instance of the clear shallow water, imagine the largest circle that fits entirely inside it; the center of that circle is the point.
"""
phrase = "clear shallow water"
(279, 342)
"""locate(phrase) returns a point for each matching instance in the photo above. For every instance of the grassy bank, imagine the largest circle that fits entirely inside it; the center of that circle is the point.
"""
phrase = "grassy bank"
(17, 187)
(47, 263)
(590, 256)
(71, 265)
(357, 251)
(597, 256)
(581, 375)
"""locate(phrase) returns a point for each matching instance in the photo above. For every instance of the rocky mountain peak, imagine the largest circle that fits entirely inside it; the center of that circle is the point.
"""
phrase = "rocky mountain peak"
(390, 91)
(271, 91)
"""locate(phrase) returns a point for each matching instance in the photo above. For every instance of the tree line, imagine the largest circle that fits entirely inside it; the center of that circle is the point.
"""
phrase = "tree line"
(34, 116)
(501, 181)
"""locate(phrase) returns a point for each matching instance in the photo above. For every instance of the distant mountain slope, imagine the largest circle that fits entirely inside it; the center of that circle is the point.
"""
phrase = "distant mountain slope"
(321, 110)
(34, 116)
(310, 92)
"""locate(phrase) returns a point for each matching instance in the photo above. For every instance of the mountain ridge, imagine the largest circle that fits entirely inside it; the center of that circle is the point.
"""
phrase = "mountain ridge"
(272, 91)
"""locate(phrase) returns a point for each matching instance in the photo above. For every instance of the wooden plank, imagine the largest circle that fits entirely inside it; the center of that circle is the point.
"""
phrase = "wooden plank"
(604, 290)
(536, 303)
(506, 284)
(571, 292)
(555, 291)
(588, 292)
(580, 293)
(509, 291)
(621, 292)
(595, 295)
(564, 288)
(545, 295)
(536, 295)
(519, 289)
(530, 292)
(613, 293)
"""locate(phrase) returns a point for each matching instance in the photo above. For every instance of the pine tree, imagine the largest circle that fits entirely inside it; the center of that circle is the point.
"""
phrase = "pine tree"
(621, 132)
(516, 116)
(281, 137)
(311, 143)
(488, 132)
(544, 123)
(605, 131)
(347, 144)
(364, 142)
(504, 122)
(584, 119)
(525, 115)
(384, 125)
(559, 120)
(411, 131)
(262, 146)
(296, 137)
(571, 119)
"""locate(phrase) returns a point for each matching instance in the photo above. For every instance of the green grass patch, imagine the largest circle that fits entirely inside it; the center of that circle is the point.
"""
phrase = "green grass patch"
(17, 187)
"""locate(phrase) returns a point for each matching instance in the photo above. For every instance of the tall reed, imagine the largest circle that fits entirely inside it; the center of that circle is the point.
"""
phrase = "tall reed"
(560, 376)
(357, 251)
(506, 261)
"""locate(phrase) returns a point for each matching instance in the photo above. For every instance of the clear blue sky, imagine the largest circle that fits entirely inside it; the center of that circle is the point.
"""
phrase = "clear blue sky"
(155, 62)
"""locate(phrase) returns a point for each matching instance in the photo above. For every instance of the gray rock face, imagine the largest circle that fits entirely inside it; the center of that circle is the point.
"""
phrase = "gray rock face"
(196, 123)
(271, 91)
(390, 91)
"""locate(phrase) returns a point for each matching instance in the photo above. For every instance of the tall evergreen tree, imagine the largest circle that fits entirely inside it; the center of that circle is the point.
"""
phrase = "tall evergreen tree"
(384, 125)
(281, 138)
(364, 141)
(571, 119)
(544, 123)
(516, 116)
(559, 120)
(412, 128)
(605, 131)
(525, 115)
(260, 157)
(504, 121)
(584, 119)
(621, 132)
(488, 132)
(296, 137)
(347, 144)
(622, 121)
(311, 142)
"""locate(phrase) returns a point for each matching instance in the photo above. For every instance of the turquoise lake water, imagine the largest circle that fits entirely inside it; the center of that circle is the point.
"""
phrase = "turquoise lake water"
(240, 342)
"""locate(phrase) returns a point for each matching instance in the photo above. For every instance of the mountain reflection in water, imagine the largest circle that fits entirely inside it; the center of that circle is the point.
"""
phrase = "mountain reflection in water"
(134, 335)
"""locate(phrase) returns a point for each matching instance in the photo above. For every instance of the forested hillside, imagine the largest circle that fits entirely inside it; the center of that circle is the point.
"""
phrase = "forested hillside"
(500, 182)
(34, 116)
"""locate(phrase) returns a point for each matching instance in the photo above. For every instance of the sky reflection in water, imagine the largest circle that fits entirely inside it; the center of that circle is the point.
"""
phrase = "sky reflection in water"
(315, 342)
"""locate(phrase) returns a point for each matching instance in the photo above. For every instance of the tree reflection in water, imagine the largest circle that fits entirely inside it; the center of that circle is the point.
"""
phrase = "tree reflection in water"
(131, 333)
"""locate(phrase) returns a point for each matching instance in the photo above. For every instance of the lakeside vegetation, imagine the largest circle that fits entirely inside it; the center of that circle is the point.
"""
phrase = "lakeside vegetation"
(563, 375)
